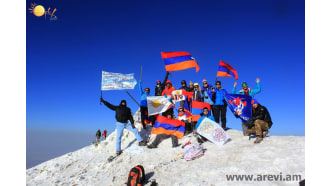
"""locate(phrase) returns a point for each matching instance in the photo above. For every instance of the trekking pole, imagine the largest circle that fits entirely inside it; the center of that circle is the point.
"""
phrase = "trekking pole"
(101, 87)
(101, 97)
(141, 74)
(133, 98)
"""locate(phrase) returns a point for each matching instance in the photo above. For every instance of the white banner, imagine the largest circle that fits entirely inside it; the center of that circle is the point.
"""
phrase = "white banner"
(157, 104)
(178, 96)
(117, 81)
(213, 132)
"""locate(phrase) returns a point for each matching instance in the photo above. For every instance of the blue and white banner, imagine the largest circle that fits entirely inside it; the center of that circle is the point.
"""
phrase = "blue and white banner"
(240, 105)
(117, 81)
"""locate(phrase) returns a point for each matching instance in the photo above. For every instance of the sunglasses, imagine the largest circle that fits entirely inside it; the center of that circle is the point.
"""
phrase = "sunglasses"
(180, 110)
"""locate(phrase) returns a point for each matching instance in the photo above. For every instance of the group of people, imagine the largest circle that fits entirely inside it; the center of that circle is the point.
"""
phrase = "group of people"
(258, 124)
(98, 135)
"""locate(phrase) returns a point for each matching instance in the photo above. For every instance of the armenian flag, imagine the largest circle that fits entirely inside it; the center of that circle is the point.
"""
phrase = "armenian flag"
(226, 70)
(164, 125)
(175, 61)
(197, 109)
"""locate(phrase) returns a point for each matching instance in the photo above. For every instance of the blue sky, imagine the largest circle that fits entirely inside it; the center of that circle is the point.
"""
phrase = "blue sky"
(64, 58)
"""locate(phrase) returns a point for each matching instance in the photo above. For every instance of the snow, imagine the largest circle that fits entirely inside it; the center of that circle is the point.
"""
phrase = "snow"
(275, 155)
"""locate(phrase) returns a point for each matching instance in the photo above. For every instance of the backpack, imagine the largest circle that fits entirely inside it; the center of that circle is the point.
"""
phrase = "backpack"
(136, 176)
(193, 151)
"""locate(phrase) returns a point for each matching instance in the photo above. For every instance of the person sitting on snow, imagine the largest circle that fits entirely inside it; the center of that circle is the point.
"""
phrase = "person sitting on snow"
(260, 121)
(160, 137)
(204, 114)
(187, 120)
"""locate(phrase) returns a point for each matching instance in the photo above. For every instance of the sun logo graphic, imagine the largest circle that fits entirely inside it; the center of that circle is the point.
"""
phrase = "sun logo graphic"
(156, 103)
(39, 10)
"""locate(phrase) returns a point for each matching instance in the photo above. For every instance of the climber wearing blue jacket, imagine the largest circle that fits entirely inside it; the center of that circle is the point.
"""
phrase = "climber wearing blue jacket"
(219, 108)
(246, 90)
(143, 103)
(204, 114)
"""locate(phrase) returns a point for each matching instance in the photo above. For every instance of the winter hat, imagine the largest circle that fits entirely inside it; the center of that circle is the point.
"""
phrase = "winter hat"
(123, 101)
(191, 83)
(254, 101)
(196, 84)
(168, 81)
(244, 84)
(204, 81)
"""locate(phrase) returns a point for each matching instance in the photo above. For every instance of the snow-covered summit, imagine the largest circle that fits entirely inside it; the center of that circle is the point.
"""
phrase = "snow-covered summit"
(279, 156)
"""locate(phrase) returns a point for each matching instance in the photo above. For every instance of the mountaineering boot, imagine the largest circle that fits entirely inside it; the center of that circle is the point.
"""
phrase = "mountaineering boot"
(152, 146)
(142, 143)
(118, 152)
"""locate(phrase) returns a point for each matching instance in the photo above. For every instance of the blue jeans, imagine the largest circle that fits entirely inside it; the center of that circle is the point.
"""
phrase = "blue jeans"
(120, 128)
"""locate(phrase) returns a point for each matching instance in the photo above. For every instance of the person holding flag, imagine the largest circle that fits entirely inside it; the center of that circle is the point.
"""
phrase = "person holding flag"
(143, 104)
(220, 105)
(246, 90)
(123, 115)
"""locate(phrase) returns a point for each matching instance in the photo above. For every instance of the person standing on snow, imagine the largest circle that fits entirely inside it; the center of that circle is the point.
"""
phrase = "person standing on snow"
(98, 136)
(197, 94)
(167, 92)
(246, 90)
(183, 87)
(123, 115)
(191, 86)
(143, 104)
(104, 134)
(220, 105)
(161, 86)
(207, 93)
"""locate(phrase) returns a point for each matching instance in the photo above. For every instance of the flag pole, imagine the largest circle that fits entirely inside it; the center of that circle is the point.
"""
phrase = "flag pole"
(141, 74)
(133, 98)
(101, 87)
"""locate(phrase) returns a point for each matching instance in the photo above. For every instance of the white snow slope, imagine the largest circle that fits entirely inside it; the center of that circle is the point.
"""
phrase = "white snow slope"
(275, 155)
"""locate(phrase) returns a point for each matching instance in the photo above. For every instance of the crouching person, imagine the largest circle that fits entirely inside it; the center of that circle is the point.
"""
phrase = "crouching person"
(204, 114)
(260, 121)
(123, 114)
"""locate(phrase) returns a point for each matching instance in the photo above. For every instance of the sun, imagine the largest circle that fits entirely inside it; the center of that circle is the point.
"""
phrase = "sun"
(155, 104)
(38, 10)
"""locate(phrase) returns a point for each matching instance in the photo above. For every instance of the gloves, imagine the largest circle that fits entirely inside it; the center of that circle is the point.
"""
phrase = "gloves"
(133, 126)
(249, 123)
(101, 99)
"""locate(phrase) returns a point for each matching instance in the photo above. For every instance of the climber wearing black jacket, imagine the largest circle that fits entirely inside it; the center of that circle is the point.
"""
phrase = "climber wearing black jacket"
(260, 121)
(161, 86)
(123, 115)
